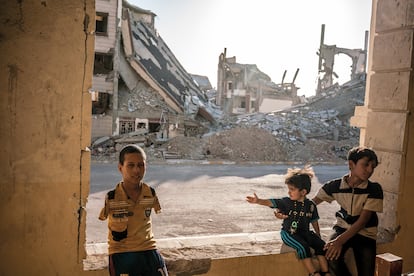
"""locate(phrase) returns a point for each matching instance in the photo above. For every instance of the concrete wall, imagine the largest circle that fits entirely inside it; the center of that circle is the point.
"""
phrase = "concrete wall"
(265, 265)
(46, 58)
(106, 43)
(270, 105)
(386, 121)
(390, 122)
(101, 126)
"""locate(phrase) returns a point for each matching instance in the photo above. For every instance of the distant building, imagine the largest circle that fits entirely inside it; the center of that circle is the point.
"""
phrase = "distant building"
(326, 64)
(243, 89)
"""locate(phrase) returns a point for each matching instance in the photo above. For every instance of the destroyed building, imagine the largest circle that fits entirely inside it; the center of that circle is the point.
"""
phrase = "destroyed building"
(203, 82)
(244, 89)
(143, 95)
(138, 85)
(326, 64)
(318, 130)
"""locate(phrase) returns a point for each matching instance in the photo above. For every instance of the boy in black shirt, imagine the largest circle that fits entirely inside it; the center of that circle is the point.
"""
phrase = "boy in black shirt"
(300, 213)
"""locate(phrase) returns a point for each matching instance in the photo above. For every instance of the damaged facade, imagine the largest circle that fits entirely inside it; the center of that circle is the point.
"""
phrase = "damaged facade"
(327, 55)
(244, 89)
(139, 86)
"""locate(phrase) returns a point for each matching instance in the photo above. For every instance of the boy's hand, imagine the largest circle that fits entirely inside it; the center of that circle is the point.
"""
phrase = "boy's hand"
(280, 215)
(333, 249)
(252, 199)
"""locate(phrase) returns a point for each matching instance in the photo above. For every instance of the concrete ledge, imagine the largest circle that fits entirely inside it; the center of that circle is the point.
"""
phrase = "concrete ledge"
(194, 241)
(97, 252)
(194, 253)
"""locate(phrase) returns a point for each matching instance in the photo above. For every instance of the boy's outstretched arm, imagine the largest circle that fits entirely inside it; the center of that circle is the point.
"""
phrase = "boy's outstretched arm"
(315, 226)
(255, 199)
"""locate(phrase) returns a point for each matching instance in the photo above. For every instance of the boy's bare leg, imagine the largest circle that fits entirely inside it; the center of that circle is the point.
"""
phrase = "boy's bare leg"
(307, 262)
(323, 263)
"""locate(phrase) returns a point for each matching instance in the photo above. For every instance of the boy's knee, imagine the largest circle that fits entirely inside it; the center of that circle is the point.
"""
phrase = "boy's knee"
(286, 249)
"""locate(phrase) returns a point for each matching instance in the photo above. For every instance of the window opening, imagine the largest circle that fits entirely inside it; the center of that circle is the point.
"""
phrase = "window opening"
(230, 85)
(154, 127)
(100, 102)
(141, 126)
(126, 126)
(101, 25)
(103, 64)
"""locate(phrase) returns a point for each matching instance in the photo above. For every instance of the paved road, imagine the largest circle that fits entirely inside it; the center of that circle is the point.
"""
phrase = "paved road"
(204, 199)
(105, 175)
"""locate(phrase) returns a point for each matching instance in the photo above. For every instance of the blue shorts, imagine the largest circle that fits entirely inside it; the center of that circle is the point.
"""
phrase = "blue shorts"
(139, 263)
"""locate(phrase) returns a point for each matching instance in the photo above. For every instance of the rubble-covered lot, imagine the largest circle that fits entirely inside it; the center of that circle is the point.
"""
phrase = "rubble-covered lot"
(315, 131)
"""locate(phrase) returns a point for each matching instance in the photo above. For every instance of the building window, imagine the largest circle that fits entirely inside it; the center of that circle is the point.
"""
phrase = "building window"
(101, 23)
(103, 64)
(141, 126)
(126, 126)
(229, 85)
(100, 102)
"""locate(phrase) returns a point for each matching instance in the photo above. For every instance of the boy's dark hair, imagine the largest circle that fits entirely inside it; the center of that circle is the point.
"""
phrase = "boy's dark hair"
(300, 178)
(131, 149)
(360, 152)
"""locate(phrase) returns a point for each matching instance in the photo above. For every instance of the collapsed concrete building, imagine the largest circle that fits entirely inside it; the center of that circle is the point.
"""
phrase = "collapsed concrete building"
(153, 98)
(244, 89)
(327, 55)
(138, 85)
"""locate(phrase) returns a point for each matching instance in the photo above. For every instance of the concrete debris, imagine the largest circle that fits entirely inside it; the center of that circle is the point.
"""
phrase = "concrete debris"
(315, 131)
(140, 98)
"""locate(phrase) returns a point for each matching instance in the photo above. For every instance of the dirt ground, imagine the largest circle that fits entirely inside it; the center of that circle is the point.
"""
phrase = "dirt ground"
(218, 206)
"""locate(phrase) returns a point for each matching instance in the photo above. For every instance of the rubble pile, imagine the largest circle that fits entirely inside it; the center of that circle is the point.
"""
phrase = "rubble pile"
(318, 130)
(142, 99)
(185, 147)
(244, 144)
(315, 131)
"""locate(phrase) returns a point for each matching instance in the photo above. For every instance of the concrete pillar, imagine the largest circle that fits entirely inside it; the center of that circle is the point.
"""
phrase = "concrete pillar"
(386, 120)
(46, 63)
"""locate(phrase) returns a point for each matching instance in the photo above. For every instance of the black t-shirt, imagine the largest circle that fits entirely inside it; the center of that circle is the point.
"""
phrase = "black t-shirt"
(300, 213)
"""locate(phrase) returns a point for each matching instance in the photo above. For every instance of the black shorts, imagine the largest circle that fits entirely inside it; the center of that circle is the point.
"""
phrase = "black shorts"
(139, 263)
(303, 242)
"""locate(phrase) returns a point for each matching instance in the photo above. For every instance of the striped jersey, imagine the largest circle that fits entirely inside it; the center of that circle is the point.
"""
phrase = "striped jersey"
(367, 196)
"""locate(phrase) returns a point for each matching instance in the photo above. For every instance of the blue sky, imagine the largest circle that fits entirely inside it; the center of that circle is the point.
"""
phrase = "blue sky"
(275, 35)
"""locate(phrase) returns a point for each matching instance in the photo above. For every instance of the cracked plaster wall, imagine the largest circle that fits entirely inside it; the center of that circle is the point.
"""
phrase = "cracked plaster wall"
(46, 59)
